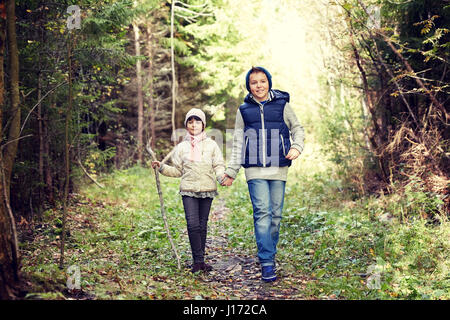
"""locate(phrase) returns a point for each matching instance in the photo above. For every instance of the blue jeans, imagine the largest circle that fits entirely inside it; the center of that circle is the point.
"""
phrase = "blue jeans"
(267, 199)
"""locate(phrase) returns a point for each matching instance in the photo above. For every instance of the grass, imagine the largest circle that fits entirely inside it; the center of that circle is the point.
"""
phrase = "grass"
(348, 249)
(119, 244)
(353, 249)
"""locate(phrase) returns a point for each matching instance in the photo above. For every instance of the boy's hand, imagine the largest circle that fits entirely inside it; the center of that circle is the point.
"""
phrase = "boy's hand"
(226, 181)
(156, 164)
(292, 154)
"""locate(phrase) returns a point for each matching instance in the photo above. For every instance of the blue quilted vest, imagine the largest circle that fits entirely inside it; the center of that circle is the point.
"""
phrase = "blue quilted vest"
(266, 135)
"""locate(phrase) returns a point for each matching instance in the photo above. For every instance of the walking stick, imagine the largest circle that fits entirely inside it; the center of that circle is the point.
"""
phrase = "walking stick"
(161, 200)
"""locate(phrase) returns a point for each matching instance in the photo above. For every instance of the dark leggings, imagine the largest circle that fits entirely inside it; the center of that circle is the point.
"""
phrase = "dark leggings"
(197, 212)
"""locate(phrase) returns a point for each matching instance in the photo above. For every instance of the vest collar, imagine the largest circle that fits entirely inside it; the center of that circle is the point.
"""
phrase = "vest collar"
(270, 98)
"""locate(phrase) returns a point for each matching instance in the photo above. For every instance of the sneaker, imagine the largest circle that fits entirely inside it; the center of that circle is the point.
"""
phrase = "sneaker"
(268, 274)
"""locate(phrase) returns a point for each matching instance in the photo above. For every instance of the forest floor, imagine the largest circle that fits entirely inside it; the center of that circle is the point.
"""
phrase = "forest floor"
(332, 245)
(237, 273)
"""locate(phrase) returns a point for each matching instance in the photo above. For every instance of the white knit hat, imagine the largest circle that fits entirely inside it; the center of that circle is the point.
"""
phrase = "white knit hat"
(195, 112)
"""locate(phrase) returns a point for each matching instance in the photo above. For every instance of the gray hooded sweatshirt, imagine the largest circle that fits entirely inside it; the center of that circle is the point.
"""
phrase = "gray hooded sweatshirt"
(267, 173)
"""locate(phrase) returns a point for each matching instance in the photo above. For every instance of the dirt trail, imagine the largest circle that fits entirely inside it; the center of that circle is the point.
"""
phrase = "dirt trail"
(237, 273)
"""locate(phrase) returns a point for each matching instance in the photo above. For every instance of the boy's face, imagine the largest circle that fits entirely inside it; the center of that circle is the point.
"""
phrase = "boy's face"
(259, 86)
(194, 127)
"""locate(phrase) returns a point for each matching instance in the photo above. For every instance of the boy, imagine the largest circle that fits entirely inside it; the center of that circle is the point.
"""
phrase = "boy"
(261, 144)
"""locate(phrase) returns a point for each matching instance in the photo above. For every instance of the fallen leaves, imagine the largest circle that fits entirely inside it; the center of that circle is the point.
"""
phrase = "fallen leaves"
(118, 263)
(237, 275)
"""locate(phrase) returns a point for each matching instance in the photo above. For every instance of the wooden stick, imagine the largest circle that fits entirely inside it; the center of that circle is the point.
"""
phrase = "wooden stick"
(88, 175)
(167, 157)
(161, 201)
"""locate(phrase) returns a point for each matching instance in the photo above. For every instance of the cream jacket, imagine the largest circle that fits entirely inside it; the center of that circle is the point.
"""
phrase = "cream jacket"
(196, 176)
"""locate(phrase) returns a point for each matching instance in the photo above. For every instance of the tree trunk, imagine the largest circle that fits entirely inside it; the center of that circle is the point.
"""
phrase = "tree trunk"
(40, 128)
(172, 61)
(47, 168)
(2, 61)
(14, 130)
(67, 151)
(9, 269)
(140, 99)
(41, 143)
(151, 102)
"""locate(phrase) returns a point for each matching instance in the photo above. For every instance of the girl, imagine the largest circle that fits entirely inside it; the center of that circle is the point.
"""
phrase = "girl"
(199, 162)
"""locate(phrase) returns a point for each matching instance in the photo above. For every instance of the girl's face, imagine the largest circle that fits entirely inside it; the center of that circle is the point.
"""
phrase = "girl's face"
(194, 127)
(259, 86)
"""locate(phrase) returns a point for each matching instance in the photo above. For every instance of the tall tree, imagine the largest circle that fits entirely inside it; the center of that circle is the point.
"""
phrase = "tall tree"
(9, 264)
(14, 112)
(67, 147)
(140, 97)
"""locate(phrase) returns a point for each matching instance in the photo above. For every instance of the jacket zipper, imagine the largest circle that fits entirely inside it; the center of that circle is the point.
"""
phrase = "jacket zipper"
(282, 143)
(263, 135)
(261, 107)
(246, 143)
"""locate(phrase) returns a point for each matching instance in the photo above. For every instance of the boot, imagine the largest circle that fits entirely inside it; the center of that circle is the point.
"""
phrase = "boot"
(206, 267)
(197, 266)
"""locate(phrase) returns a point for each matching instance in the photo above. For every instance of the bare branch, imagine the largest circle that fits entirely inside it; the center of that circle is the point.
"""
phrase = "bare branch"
(191, 5)
(407, 65)
(88, 175)
(40, 100)
(196, 14)
(190, 20)
(14, 140)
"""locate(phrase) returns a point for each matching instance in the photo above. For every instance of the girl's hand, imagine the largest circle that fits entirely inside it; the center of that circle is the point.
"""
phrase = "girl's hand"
(156, 164)
(293, 154)
(226, 181)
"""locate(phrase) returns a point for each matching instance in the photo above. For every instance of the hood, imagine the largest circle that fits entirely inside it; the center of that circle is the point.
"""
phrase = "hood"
(268, 75)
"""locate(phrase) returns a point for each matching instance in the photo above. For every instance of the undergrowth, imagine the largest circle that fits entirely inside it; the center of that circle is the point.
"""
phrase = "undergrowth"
(118, 243)
(369, 248)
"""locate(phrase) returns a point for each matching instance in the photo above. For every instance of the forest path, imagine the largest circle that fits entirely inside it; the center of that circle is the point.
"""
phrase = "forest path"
(118, 245)
(236, 272)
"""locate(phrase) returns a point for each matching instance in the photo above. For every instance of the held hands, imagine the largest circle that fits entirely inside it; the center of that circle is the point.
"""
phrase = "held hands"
(226, 181)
